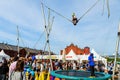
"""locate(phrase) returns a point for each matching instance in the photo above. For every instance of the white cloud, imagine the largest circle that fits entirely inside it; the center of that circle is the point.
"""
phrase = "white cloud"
(20, 13)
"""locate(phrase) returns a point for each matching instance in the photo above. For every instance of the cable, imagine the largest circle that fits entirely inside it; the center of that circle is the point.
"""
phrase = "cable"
(103, 7)
(43, 14)
(108, 8)
(67, 18)
(44, 24)
(22, 40)
(38, 40)
(57, 12)
(51, 24)
(84, 13)
(89, 9)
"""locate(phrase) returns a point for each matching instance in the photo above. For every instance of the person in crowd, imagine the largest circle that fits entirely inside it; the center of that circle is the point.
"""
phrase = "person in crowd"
(18, 73)
(42, 66)
(60, 65)
(34, 65)
(4, 69)
(33, 58)
(0, 64)
(37, 74)
(91, 64)
(69, 67)
(74, 65)
(13, 66)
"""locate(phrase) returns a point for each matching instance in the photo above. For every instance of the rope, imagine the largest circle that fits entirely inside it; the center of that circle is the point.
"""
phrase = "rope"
(89, 9)
(84, 13)
(22, 40)
(57, 13)
(48, 32)
(19, 36)
(38, 40)
(103, 7)
(51, 24)
(43, 14)
(108, 8)
(48, 17)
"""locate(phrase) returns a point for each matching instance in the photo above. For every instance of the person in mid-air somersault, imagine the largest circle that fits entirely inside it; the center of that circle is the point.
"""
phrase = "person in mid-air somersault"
(74, 19)
(91, 64)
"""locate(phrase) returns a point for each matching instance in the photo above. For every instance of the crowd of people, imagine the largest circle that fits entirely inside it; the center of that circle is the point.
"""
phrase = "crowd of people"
(20, 68)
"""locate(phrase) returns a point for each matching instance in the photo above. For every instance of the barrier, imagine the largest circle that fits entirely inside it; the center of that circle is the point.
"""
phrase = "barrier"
(78, 75)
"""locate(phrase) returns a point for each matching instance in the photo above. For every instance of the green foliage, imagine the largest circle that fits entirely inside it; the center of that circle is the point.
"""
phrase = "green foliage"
(112, 59)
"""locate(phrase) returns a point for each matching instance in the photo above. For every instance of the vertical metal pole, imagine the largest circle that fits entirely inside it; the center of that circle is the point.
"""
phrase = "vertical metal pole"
(116, 54)
(18, 41)
(47, 30)
(64, 53)
(48, 33)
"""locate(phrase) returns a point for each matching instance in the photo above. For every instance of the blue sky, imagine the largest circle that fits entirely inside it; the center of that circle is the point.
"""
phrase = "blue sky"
(94, 29)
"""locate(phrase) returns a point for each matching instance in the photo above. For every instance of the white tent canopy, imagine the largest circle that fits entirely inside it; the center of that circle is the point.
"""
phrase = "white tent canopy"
(3, 54)
(98, 57)
(38, 56)
(47, 57)
(83, 57)
(71, 56)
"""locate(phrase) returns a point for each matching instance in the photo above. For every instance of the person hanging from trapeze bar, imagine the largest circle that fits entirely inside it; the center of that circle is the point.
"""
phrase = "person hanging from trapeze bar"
(74, 19)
